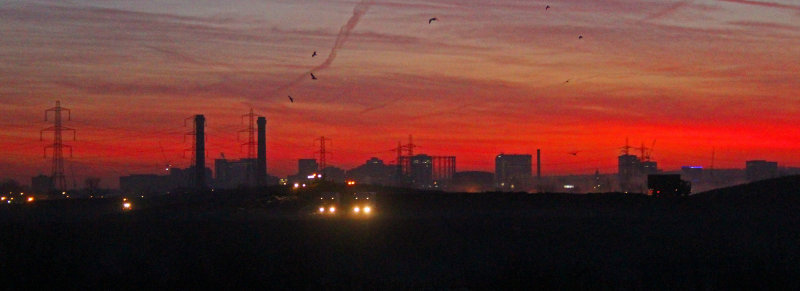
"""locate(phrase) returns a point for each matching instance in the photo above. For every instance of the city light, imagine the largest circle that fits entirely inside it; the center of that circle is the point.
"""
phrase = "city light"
(356, 209)
(332, 209)
(351, 183)
(126, 206)
(367, 209)
(30, 198)
(322, 209)
(3, 198)
(296, 185)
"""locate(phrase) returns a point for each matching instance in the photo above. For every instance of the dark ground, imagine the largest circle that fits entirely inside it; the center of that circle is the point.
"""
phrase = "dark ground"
(744, 237)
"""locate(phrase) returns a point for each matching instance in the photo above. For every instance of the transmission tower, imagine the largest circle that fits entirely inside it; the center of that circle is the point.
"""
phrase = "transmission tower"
(322, 152)
(410, 146)
(59, 180)
(251, 145)
(250, 130)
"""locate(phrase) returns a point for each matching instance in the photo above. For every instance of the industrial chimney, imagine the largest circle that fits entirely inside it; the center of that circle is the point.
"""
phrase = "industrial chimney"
(261, 162)
(200, 151)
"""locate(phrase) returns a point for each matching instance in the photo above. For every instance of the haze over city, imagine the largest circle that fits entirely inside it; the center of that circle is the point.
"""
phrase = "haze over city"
(486, 77)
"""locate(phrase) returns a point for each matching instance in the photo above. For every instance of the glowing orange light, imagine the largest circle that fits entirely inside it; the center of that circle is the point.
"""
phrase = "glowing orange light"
(30, 198)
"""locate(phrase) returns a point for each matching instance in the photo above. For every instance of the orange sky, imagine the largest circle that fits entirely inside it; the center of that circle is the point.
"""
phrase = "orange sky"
(485, 78)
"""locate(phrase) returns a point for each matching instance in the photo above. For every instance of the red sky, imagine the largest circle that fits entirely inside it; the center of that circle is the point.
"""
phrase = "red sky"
(485, 78)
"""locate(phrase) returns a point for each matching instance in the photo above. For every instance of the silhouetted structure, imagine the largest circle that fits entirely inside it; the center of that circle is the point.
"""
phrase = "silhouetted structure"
(233, 174)
(421, 171)
(57, 175)
(761, 170)
(250, 175)
(424, 171)
(628, 170)
(200, 151)
(139, 184)
(372, 172)
(261, 163)
(649, 167)
(512, 172)
(539, 166)
(322, 152)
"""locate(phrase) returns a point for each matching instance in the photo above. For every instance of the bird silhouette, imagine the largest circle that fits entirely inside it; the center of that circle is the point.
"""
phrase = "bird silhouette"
(313, 77)
(580, 37)
(575, 153)
(314, 54)
(291, 99)
(432, 20)
(547, 7)
(567, 81)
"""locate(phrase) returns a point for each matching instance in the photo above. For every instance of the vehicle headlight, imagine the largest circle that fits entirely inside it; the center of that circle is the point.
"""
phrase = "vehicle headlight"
(356, 209)
(367, 209)
(332, 209)
(322, 209)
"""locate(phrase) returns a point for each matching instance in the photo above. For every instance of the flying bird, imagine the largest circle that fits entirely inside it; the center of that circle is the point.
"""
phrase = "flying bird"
(432, 20)
(548, 7)
(314, 54)
(575, 153)
(580, 37)
(567, 81)
(291, 99)
(313, 77)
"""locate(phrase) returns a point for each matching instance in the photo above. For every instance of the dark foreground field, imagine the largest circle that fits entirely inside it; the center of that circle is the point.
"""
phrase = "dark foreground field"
(740, 238)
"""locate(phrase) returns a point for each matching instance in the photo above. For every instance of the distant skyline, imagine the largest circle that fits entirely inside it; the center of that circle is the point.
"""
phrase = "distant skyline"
(487, 77)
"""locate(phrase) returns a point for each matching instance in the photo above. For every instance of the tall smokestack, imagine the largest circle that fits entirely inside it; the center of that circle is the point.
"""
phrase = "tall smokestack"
(200, 150)
(539, 165)
(261, 162)
(538, 170)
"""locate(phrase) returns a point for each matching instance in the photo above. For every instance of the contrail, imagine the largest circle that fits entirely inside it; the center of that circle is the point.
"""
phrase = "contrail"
(344, 32)
(669, 10)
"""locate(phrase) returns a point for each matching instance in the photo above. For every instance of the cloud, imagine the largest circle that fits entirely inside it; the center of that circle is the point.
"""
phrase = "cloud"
(765, 4)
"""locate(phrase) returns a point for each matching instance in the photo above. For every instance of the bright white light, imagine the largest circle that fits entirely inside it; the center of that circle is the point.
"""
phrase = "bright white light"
(332, 209)
(30, 199)
(356, 209)
(367, 209)
(322, 209)
(569, 186)
(296, 185)
(304, 185)
(126, 205)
